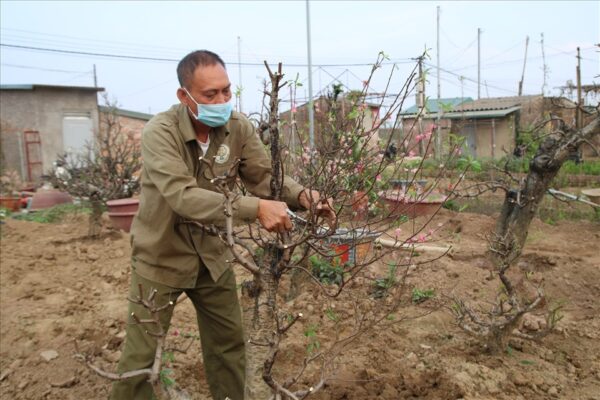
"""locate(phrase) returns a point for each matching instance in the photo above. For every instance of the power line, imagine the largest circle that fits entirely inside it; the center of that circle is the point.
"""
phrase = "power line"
(465, 78)
(44, 69)
(146, 58)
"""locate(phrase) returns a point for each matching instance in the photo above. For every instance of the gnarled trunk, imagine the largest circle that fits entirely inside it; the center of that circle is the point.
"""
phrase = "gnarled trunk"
(260, 325)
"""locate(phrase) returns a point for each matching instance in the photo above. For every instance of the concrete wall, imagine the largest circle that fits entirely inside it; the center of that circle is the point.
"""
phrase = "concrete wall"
(131, 128)
(492, 140)
(370, 118)
(410, 130)
(41, 109)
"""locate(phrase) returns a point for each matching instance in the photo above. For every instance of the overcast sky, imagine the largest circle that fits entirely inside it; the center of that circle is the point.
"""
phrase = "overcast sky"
(346, 37)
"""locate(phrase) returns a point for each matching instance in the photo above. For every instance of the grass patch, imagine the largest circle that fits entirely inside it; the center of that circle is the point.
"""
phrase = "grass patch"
(421, 295)
(53, 214)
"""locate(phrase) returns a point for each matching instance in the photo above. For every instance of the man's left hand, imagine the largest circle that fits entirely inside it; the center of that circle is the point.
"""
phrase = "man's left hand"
(322, 207)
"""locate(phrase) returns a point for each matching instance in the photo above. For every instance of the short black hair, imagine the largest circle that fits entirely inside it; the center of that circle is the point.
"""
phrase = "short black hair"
(189, 63)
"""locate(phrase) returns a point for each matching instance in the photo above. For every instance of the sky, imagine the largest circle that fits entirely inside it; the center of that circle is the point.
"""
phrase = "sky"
(346, 38)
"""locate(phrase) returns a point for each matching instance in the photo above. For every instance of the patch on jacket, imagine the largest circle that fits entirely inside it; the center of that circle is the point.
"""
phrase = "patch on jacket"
(222, 154)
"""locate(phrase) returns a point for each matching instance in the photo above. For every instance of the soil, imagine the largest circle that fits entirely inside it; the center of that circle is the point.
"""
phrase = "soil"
(58, 287)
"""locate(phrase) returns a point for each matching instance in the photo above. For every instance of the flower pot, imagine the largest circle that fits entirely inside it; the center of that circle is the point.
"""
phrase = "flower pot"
(122, 220)
(122, 211)
(593, 194)
(398, 203)
(123, 205)
(46, 198)
(351, 246)
(12, 203)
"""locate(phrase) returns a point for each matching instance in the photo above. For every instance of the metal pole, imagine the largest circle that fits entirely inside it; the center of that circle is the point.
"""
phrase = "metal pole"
(311, 114)
(493, 138)
(524, 64)
(545, 66)
(239, 41)
(95, 78)
(578, 114)
(478, 63)
(421, 103)
(438, 136)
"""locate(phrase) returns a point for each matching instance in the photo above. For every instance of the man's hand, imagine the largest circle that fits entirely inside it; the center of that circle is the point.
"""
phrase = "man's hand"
(273, 216)
(323, 207)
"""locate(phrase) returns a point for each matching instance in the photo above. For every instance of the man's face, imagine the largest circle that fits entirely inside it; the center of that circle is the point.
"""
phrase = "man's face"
(209, 85)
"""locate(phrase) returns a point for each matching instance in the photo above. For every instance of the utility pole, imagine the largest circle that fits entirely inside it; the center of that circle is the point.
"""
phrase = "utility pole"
(578, 114)
(95, 77)
(524, 63)
(421, 103)
(438, 135)
(311, 111)
(545, 68)
(478, 63)
(240, 88)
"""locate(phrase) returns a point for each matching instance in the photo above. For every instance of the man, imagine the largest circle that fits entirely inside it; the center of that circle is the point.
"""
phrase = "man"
(173, 257)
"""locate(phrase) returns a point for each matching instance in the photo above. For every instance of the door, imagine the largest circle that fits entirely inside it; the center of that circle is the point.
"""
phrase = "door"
(78, 134)
(468, 131)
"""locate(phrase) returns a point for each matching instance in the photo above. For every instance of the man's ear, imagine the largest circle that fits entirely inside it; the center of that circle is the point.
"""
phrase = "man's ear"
(182, 96)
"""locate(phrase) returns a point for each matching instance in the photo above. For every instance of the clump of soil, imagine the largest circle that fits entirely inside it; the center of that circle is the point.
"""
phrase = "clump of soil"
(58, 287)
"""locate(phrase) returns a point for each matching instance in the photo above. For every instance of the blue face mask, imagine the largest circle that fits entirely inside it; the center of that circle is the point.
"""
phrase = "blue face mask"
(213, 115)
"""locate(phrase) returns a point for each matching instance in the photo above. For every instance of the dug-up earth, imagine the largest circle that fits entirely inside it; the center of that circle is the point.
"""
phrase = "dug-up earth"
(58, 288)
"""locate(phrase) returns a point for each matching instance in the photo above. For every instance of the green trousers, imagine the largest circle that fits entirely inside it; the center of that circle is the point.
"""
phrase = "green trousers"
(221, 334)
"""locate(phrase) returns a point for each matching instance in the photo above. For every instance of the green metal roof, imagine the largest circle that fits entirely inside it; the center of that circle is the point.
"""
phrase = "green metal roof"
(126, 113)
(431, 105)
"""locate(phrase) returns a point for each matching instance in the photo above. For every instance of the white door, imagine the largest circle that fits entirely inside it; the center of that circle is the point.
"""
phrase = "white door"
(78, 134)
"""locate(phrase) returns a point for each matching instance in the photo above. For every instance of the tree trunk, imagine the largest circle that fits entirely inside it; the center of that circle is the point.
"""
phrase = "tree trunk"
(95, 219)
(519, 208)
(520, 205)
(261, 326)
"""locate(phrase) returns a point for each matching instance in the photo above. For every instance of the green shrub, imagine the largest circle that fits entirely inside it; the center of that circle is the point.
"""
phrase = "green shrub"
(326, 271)
(583, 168)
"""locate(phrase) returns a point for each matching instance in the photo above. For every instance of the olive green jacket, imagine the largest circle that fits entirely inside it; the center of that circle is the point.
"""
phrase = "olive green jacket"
(175, 186)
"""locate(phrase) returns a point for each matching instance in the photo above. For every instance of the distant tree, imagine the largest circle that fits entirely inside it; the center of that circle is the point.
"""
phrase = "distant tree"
(522, 200)
(106, 169)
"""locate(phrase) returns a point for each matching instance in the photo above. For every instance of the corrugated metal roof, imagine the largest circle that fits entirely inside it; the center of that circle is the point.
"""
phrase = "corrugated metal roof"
(495, 103)
(476, 114)
(431, 105)
(126, 113)
(60, 87)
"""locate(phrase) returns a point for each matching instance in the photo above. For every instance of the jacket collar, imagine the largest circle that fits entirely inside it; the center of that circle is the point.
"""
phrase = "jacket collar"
(187, 129)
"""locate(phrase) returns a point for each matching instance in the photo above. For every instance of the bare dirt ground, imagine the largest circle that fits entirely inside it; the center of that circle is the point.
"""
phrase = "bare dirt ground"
(57, 287)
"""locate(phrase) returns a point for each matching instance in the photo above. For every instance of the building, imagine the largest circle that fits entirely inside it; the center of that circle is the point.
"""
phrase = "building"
(38, 122)
(489, 126)
(410, 126)
(131, 122)
(294, 136)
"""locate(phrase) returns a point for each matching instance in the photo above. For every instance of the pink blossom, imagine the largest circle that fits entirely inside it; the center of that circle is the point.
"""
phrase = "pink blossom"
(422, 238)
(378, 178)
(397, 232)
(175, 332)
(411, 153)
